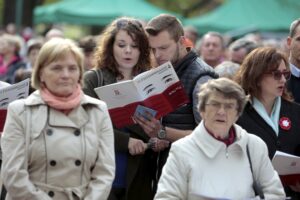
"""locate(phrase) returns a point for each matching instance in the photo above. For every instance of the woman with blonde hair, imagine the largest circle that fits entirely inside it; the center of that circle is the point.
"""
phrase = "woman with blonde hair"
(58, 143)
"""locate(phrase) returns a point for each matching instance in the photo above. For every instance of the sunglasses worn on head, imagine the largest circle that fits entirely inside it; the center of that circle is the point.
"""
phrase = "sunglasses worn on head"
(278, 74)
(127, 22)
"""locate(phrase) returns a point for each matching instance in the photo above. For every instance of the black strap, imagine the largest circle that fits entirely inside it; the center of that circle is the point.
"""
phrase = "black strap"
(257, 189)
(100, 81)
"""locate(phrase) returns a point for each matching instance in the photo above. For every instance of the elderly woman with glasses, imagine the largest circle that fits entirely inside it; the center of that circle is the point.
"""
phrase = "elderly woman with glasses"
(270, 113)
(219, 159)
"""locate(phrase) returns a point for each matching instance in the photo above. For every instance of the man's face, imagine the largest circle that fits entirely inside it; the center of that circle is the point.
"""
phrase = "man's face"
(293, 44)
(164, 48)
(211, 49)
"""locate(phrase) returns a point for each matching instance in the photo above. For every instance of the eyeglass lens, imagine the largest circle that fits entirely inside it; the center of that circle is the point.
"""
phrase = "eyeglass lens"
(278, 74)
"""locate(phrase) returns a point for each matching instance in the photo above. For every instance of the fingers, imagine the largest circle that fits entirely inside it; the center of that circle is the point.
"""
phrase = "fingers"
(136, 147)
(151, 127)
(158, 145)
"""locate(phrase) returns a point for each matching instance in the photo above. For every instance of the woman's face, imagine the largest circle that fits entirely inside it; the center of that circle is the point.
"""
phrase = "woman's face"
(61, 77)
(126, 51)
(270, 87)
(220, 114)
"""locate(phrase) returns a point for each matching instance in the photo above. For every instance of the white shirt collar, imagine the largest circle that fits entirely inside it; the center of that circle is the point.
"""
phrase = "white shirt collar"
(295, 70)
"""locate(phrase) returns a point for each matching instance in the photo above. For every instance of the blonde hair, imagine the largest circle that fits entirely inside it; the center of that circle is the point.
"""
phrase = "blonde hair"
(54, 50)
(12, 40)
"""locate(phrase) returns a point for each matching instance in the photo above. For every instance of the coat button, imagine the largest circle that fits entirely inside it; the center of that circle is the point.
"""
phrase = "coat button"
(77, 162)
(51, 193)
(77, 132)
(52, 162)
(49, 132)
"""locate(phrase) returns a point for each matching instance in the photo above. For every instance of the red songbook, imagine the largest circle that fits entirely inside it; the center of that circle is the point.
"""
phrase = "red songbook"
(9, 94)
(158, 89)
(291, 179)
(2, 119)
(288, 167)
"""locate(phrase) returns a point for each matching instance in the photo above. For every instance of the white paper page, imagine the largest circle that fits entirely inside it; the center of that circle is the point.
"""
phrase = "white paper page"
(118, 94)
(12, 92)
(286, 164)
(156, 80)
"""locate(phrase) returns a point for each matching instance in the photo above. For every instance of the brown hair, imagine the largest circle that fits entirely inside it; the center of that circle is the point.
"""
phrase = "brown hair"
(257, 63)
(165, 22)
(104, 57)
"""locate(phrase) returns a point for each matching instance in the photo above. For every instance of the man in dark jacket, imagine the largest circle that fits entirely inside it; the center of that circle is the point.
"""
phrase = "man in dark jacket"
(166, 38)
(293, 43)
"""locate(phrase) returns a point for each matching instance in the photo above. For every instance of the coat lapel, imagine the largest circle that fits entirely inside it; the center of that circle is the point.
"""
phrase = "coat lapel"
(76, 118)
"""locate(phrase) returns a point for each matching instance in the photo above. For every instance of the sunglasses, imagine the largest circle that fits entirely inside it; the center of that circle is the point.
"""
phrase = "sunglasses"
(122, 23)
(278, 74)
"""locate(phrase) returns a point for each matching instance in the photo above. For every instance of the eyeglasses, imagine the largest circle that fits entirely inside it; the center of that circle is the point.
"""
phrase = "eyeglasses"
(278, 74)
(121, 23)
(229, 107)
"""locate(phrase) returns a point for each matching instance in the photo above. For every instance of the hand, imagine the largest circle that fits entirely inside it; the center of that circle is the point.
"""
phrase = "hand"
(136, 146)
(295, 188)
(158, 145)
(151, 126)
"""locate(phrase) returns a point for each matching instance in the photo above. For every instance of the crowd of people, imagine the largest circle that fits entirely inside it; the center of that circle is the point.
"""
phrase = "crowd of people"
(60, 143)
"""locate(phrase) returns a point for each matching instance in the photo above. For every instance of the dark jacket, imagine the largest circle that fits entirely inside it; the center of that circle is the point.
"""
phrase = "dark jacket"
(9, 77)
(293, 86)
(140, 168)
(287, 141)
(190, 69)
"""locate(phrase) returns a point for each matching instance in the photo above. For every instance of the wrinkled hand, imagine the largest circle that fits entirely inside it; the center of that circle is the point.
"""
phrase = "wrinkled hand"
(136, 146)
(295, 188)
(158, 145)
(151, 126)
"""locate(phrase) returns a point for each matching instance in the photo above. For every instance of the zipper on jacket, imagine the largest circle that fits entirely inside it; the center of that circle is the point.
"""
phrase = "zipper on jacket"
(226, 152)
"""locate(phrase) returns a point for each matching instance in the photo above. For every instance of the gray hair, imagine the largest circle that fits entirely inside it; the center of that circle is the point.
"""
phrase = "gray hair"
(249, 45)
(227, 69)
(226, 87)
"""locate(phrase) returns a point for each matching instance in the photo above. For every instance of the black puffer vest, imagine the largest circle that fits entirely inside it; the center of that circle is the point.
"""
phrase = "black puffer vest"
(189, 70)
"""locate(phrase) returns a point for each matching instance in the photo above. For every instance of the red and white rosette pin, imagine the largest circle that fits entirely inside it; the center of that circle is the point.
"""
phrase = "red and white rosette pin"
(285, 123)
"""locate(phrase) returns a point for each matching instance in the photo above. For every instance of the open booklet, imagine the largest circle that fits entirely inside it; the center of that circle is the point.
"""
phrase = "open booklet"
(288, 167)
(158, 89)
(10, 93)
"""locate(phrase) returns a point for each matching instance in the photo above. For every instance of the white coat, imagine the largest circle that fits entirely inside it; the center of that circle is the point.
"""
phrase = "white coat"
(201, 165)
(69, 156)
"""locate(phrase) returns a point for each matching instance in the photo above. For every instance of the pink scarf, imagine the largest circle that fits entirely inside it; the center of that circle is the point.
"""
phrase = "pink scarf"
(63, 104)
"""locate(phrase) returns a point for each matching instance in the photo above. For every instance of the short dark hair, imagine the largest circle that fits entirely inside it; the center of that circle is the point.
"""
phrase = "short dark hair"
(165, 22)
(242, 43)
(87, 44)
(293, 27)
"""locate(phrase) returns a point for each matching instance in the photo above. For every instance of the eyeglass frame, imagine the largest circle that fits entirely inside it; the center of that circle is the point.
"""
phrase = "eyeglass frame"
(228, 107)
(278, 76)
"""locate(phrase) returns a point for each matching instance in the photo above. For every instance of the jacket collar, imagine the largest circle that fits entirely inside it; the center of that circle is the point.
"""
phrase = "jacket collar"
(36, 99)
(211, 147)
(76, 118)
